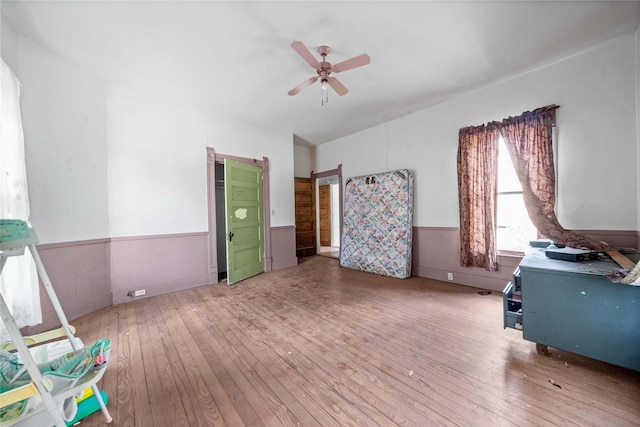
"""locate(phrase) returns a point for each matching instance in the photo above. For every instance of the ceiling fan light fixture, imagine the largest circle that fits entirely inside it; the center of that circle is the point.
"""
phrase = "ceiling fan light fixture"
(325, 91)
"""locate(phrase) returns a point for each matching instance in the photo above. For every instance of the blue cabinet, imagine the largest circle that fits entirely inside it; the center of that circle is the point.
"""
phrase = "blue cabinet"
(573, 306)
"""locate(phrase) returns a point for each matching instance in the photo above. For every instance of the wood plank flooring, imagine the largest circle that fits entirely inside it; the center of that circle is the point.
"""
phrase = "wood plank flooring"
(318, 345)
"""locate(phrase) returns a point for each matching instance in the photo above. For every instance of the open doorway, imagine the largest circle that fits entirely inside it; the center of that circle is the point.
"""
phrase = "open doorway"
(219, 237)
(221, 243)
(328, 200)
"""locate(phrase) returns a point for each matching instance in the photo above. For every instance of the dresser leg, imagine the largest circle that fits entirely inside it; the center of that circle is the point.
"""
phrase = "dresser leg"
(542, 349)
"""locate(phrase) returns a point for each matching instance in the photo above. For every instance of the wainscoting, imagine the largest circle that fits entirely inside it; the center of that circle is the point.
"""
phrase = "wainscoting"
(283, 247)
(80, 275)
(615, 238)
(94, 274)
(436, 252)
(158, 264)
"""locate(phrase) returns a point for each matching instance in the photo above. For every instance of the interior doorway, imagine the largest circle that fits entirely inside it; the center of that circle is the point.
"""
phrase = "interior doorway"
(324, 214)
(305, 217)
(221, 232)
(328, 207)
(218, 248)
(244, 217)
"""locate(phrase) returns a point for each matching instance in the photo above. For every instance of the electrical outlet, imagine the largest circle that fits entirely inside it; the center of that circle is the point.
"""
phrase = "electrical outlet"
(140, 292)
(449, 276)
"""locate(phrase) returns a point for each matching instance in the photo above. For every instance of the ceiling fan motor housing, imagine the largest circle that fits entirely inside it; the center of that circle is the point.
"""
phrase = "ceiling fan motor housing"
(325, 67)
(324, 70)
(324, 50)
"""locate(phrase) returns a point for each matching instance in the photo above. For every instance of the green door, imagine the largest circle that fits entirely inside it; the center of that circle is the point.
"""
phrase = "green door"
(244, 221)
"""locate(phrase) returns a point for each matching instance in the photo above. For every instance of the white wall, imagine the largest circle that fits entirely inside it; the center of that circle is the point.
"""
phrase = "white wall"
(597, 132)
(157, 163)
(8, 42)
(233, 136)
(335, 214)
(638, 121)
(302, 158)
(104, 160)
(63, 116)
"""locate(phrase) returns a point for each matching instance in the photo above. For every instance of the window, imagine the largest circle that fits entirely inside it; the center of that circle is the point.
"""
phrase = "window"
(514, 228)
(530, 135)
(19, 279)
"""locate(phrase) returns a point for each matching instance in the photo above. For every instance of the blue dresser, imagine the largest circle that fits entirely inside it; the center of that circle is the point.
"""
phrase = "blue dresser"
(573, 306)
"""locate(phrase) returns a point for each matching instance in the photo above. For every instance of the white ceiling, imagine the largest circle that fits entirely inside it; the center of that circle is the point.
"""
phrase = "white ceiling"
(236, 56)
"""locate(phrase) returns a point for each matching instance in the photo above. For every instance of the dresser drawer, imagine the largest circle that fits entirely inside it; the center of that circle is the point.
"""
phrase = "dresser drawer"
(512, 308)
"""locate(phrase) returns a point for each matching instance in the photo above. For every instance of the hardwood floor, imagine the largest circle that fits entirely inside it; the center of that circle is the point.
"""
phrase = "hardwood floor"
(329, 251)
(319, 345)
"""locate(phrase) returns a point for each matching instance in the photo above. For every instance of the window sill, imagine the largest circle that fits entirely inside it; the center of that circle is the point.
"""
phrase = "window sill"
(510, 254)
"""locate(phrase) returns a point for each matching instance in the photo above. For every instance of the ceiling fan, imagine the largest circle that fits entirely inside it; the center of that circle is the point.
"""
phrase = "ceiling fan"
(324, 69)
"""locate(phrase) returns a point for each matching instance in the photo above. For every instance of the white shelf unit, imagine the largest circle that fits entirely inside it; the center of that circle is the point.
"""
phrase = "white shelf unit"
(15, 236)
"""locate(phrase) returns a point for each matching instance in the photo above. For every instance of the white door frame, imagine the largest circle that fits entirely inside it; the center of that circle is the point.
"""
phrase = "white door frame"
(316, 175)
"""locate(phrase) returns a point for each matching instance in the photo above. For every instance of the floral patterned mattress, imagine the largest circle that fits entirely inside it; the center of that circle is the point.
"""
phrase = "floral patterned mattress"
(377, 225)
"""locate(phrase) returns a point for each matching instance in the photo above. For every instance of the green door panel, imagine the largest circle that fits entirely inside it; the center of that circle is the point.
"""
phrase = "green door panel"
(244, 220)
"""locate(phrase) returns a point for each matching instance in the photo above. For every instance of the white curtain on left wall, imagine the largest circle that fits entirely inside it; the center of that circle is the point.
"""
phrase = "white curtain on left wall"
(19, 279)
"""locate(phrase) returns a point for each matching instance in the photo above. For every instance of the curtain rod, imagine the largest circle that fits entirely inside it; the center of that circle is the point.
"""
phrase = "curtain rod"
(549, 107)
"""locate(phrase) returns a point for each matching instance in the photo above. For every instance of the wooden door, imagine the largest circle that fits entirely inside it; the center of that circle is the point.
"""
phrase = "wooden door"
(244, 220)
(305, 217)
(324, 213)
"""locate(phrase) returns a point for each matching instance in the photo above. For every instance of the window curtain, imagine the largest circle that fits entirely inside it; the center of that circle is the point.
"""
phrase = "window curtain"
(19, 279)
(528, 139)
(477, 186)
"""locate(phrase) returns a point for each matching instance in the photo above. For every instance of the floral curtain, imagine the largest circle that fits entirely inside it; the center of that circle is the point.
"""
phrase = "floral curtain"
(19, 279)
(477, 186)
(528, 139)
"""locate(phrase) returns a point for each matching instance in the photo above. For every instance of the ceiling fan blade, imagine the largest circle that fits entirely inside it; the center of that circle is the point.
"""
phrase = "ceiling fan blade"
(337, 86)
(302, 85)
(356, 61)
(306, 55)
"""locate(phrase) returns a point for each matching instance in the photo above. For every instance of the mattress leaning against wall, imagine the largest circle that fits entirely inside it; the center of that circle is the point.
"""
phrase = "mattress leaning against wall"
(377, 226)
